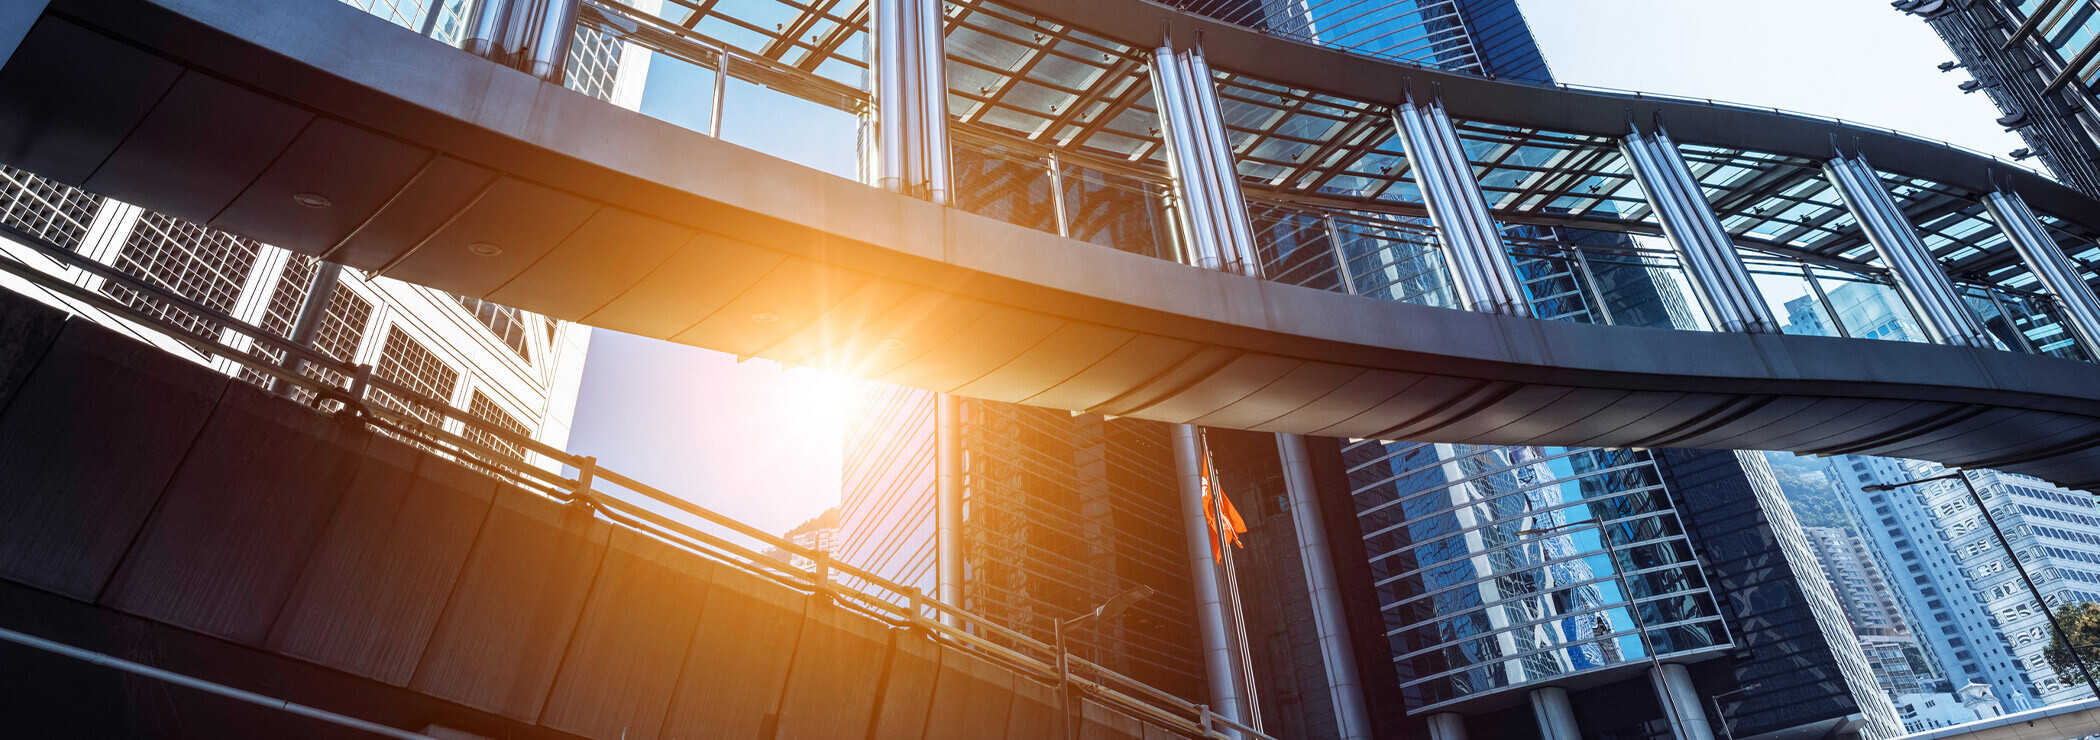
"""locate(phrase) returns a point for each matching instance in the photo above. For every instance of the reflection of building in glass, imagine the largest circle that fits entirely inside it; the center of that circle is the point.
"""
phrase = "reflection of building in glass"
(1478, 36)
(1060, 513)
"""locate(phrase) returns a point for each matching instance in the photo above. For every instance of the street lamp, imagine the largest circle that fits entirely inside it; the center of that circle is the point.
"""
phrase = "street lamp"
(1722, 716)
(2039, 602)
(1110, 609)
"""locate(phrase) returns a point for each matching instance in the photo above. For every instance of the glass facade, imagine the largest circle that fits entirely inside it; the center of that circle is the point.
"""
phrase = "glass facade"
(2039, 61)
(1499, 567)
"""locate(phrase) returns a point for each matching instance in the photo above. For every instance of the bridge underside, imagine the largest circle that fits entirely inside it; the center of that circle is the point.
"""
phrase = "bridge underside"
(220, 111)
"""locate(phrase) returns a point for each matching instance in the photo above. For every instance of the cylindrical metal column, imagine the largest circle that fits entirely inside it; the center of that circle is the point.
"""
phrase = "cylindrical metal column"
(1754, 309)
(1182, 158)
(327, 276)
(2049, 265)
(1495, 256)
(948, 502)
(893, 108)
(1220, 658)
(932, 81)
(1919, 278)
(1470, 276)
(1447, 726)
(1696, 234)
(1225, 168)
(550, 51)
(1555, 714)
(1351, 715)
(1673, 687)
(487, 32)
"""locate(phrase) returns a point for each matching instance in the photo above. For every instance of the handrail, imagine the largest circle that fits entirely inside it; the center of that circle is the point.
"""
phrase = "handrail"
(979, 635)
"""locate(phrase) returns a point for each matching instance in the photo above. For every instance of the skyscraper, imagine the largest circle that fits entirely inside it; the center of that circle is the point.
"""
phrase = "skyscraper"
(2040, 64)
(1873, 610)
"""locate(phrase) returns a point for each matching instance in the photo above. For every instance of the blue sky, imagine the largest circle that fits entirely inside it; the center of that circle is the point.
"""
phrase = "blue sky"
(763, 445)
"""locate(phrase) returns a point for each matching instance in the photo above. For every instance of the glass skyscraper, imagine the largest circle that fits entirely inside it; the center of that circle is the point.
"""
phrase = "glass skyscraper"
(2039, 61)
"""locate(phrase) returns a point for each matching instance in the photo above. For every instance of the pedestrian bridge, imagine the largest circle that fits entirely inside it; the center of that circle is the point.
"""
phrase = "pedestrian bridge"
(172, 537)
(442, 168)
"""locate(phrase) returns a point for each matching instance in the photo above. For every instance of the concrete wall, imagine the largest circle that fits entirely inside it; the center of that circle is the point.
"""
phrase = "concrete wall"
(142, 483)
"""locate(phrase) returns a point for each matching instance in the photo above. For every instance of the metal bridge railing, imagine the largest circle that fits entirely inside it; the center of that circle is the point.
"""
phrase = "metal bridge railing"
(643, 508)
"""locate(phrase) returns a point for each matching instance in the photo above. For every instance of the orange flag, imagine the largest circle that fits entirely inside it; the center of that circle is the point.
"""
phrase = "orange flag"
(1235, 526)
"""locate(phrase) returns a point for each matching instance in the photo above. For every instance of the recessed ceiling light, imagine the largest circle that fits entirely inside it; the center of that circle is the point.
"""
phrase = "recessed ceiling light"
(312, 200)
(892, 343)
(765, 317)
(484, 249)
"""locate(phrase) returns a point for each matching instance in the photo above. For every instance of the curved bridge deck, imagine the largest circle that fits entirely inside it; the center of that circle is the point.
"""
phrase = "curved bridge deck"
(220, 111)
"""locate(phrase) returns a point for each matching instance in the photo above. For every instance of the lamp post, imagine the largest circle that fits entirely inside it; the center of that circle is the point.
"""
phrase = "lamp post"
(1722, 716)
(2039, 602)
(1110, 609)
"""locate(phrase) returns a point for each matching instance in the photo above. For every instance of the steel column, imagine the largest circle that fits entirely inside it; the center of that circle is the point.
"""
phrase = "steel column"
(1673, 686)
(1184, 159)
(1919, 278)
(948, 503)
(312, 313)
(1220, 658)
(1555, 714)
(1486, 279)
(1225, 176)
(1689, 223)
(1447, 726)
(932, 81)
(485, 36)
(550, 49)
(892, 99)
(1351, 715)
(2049, 264)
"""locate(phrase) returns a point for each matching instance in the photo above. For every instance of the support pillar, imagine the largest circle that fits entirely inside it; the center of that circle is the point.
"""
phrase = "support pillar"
(1485, 278)
(550, 49)
(1919, 278)
(911, 98)
(948, 503)
(1447, 726)
(1680, 700)
(1220, 654)
(1703, 245)
(312, 313)
(1352, 718)
(1555, 714)
(2049, 264)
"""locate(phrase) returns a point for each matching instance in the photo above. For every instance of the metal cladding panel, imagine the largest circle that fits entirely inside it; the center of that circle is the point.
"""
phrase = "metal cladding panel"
(240, 519)
(1735, 419)
(523, 220)
(1231, 383)
(609, 253)
(501, 637)
(200, 147)
(1142, 391)
(1611, 418)
(377, 582)
(2023, 446)
(1144, 356)
(1063, 354)
(1036, 713)
(738, 662)
(438, 192)
(1156, 732)
(1488, 423)
(1553, 417)
(1423, 397)
(1097, 722)
(1288, 393)
(1370, 389)
(834, 682)
(920, 323)
(1871, 421)
(1958, 433)
(27, 329)
(793, 295)
(842, 339)
(623, 663)
(69, 514)
(1678, 416)
(997, 336)
(972, 698)
(57, 61)
(907, 688)
(355, 169)
(1823, 413)
(697, 281)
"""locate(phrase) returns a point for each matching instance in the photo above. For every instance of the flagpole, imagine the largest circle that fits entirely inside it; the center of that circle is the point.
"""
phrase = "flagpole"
(1222, 532)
